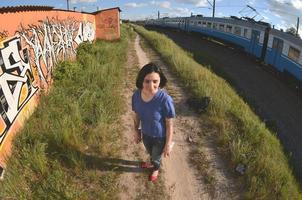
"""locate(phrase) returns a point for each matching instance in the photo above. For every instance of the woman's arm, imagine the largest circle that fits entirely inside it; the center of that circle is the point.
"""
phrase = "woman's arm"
(137, 134)
(169, 136)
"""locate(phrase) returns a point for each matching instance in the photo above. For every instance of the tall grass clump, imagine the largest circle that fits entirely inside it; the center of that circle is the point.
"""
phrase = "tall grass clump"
(241, 134)
(64, 148)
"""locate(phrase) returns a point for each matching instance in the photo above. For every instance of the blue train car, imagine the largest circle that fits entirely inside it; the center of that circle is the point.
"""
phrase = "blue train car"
(246, 34)
(284, 53)
(276, 48)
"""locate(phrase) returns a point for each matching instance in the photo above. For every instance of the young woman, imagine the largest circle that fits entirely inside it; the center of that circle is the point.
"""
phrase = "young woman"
(154, 111)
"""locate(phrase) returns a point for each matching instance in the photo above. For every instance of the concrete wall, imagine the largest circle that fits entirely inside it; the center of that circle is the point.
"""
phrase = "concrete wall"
(31, 44)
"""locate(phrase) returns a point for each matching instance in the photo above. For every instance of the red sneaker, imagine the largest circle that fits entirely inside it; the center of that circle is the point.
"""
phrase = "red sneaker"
(146, 165)
(153, 177)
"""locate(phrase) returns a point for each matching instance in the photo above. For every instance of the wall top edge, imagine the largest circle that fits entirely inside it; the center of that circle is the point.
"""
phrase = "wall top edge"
(107, 9)
(22, 8)
(9, 9)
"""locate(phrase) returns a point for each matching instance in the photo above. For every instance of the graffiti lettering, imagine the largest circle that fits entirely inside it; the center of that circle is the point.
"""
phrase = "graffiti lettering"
(54, 41)
(86, 32)
(110, 23)
(3, 35)
(48, 43)
(16, 87)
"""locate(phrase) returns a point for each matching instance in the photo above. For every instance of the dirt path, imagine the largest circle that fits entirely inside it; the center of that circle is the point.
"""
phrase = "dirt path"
(180, 177)
(128, 180)
(141, 55)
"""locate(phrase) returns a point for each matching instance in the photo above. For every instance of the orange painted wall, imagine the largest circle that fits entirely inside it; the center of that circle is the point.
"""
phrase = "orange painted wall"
(108, 24)
(11, 21)
(31, 43)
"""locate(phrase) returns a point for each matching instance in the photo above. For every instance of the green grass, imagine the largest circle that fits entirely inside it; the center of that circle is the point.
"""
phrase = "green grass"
(62, 149)
(241, 135)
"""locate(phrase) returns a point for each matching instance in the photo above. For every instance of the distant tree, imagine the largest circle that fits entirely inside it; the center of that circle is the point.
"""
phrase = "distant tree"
(292, 31)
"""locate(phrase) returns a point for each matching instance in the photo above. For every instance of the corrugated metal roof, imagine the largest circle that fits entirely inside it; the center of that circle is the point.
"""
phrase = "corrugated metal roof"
(24, 8)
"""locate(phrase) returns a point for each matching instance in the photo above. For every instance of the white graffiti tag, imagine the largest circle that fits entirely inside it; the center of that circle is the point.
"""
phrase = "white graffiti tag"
(53, 41)
(86, 32)
(16, 74)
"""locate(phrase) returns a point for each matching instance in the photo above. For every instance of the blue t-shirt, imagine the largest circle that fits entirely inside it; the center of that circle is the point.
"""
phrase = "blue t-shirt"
(154, 112)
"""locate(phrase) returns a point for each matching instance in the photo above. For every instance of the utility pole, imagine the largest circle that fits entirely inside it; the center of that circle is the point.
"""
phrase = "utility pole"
(158, 15)
(213, 7)
(297, 27)
(67, 4)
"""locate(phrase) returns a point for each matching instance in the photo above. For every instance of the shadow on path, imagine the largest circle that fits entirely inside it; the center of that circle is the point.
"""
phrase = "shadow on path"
(112, 164)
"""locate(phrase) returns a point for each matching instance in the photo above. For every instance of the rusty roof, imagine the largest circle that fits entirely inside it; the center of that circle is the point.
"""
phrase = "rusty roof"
(24, 8)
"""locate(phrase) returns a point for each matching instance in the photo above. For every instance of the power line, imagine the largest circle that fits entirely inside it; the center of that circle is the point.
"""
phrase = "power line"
(262, 8)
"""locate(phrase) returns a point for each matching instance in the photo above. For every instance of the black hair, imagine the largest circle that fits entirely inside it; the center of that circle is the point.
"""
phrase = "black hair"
(147, 69)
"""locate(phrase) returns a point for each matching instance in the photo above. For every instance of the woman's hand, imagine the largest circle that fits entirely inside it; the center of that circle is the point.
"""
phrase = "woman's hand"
(168, 149)
(138, 133)
(137, 136)
(169, 136)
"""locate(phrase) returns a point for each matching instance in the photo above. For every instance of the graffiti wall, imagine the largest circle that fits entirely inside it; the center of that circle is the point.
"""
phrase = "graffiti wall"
(54, 40)
(30, 48)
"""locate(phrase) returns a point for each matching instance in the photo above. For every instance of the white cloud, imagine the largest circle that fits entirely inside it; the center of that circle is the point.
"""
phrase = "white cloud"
(140, 17)
(162, 4)
(200, 3)
(286, 10)
(135, 5)
(175, 11)
(281, 25)
(278, 15)
(182, 10)
(297, 4)
(82, 1)
(280, 1)
(179, 12)
(265, 18)
(251, 2)
(219, 14)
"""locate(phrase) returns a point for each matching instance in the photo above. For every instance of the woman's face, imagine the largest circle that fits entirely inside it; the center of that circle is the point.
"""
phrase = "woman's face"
(151, 82)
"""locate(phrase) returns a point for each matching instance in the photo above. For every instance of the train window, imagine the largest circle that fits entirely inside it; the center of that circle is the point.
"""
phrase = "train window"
(204, 24)
(237, 30)
(245, 32)
(229, 28)
(293, 53)
(256, 38)
(199, 22)
(214, 26)
(221, 27)
(209, 25)
(278, 45)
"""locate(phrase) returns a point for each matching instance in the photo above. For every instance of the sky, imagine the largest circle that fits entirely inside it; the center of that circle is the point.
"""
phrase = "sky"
(282, 14)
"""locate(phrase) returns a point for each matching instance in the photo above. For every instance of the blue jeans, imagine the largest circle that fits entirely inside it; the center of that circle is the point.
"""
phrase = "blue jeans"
(154, 147)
